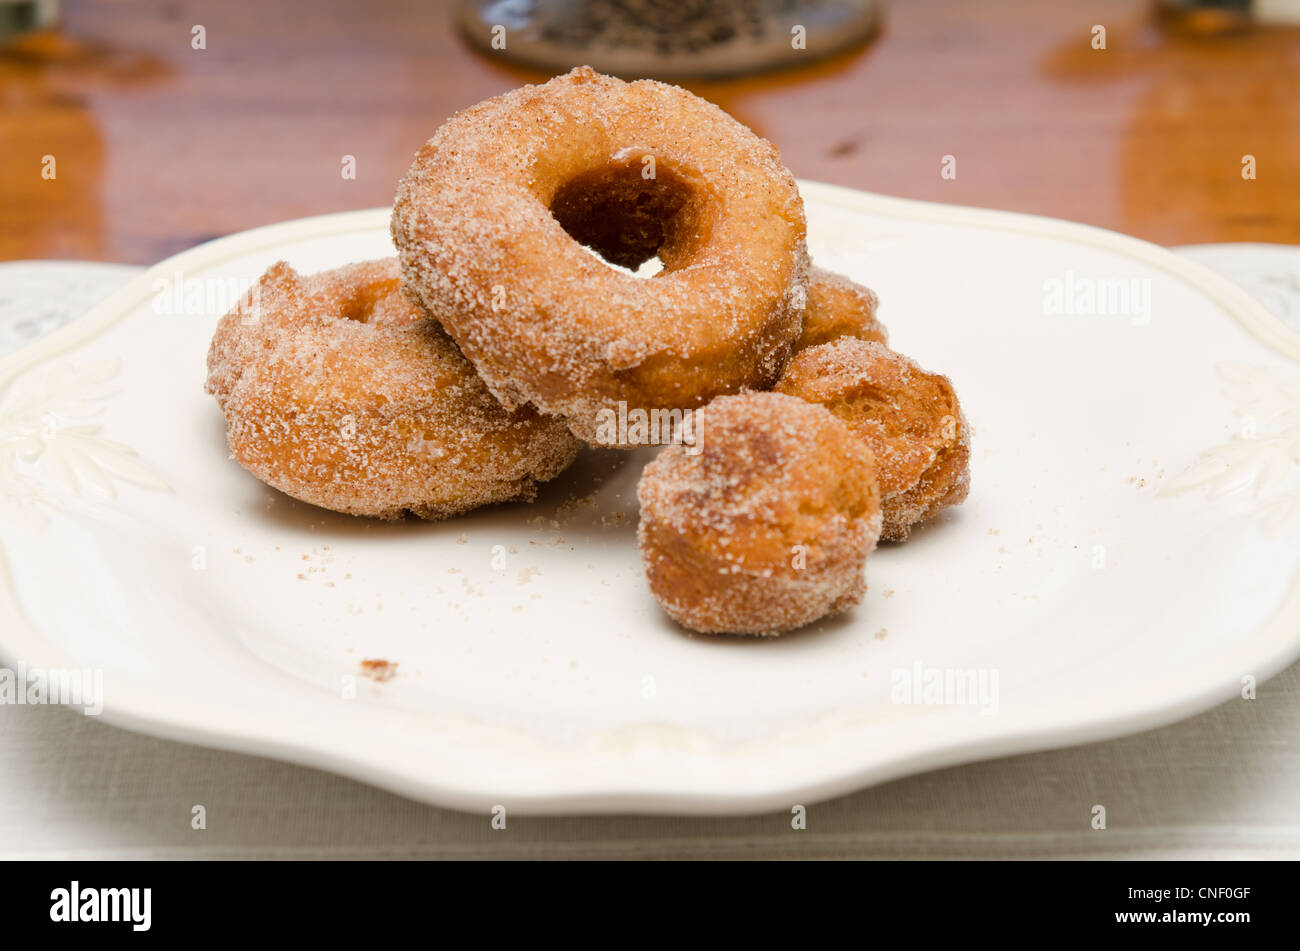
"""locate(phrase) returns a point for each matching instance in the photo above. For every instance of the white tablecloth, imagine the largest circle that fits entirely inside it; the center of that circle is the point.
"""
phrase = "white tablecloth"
(1224, 784)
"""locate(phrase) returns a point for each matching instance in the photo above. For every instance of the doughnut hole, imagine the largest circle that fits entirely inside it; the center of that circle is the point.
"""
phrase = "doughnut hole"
(768, 527)
(909, 418)
(379, 302)
(837, 307)
(628, 218)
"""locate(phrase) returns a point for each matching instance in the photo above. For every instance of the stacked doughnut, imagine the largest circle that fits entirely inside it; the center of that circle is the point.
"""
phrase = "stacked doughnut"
(339, 392)
(513, 328)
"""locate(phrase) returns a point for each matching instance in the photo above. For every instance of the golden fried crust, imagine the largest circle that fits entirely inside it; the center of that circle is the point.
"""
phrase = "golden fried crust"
(491, 220)
(909, 418)
(338, 392)
(837, 307)
(768, 526)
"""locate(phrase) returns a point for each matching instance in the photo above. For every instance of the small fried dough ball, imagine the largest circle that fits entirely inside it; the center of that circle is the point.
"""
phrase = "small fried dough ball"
(838, 307)
(768, 526)
(909, 418)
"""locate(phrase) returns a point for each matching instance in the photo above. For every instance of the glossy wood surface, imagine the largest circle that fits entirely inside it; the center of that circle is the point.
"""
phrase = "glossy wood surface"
(159, 146)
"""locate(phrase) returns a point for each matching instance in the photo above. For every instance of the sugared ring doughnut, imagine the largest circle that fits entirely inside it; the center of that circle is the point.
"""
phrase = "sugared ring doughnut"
(494, 222)
(768, 526)
(838, 307)
(338, 392)
(909, 418)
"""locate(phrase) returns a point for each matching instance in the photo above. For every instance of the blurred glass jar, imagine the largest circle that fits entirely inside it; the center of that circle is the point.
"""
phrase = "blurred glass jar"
(668, 40)
(1222, 16)
(24, 16)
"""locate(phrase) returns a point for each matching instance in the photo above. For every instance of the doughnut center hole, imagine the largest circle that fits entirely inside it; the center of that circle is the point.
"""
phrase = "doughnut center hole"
(361, 305)
(633, 214)
(646, 269)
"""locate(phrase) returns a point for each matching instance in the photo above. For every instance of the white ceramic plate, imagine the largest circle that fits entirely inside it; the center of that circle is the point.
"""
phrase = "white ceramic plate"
(1104, 576)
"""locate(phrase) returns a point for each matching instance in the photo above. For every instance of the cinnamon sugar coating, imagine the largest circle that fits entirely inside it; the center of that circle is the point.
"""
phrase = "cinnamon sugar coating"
(766, 529)
(338, 392)
(838, 307)
(909, 418)
(495, 217)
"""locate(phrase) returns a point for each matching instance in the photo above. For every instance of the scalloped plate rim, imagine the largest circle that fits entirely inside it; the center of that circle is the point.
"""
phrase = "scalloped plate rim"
(629, 787)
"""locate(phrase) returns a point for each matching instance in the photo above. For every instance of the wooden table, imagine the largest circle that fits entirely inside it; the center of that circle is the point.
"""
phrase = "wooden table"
(159, 146)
